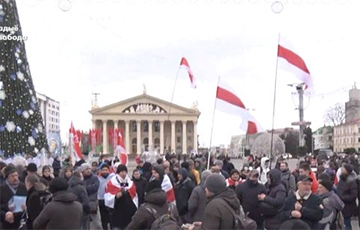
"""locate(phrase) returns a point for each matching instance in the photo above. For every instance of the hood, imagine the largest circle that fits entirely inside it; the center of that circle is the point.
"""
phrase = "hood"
(352, 176)
(337, 203)
(64, 197)
(147, 167)
(263, 160)
(275, 177)
(160, 170)
(230, 197)
(156, 196)
(199, 160)
(73, 181)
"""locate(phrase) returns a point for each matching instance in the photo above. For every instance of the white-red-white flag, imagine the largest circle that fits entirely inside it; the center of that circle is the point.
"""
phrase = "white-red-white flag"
(184, 63)
(75, 143)
(228, 102)
(289, 60)
(120, 149)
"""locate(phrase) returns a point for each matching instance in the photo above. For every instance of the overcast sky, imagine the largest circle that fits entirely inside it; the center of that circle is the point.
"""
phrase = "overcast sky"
(114, 47)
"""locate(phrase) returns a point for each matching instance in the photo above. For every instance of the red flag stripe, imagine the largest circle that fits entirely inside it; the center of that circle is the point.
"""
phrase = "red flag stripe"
(252, 128)
(292, 58)
(185, 63)
(229, 97)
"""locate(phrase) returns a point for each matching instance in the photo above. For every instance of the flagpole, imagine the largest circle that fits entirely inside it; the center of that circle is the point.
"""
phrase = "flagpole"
(274, 103)
(173, 92)
(212, 125)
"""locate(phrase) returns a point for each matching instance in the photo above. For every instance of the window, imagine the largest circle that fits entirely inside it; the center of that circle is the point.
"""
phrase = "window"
(157, 126)
(146, 126)
(178, 139)
(178, 129)
(189, 139)
(358, 139)
(134, 126)
(189, 129)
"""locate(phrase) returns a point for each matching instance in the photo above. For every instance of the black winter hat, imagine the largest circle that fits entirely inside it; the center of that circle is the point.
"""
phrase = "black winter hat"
(234, 171)
(121, 168)
(9, 170)
(160, 170)
(154, 184)
(185, 165)
(31, 168)
(349, 168)
(58, 184)
(326, 182)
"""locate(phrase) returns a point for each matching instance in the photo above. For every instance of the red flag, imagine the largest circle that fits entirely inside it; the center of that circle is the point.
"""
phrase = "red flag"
(120, 149)
(290, 61)
(228, 102)
(76, 142)
(185, 64)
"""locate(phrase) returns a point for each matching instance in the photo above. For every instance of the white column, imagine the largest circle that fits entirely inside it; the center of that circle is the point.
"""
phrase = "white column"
(138, 136)
(150, 122)
(127, 136)
(116, 124)
(161, 137)
(93, 124)
(184, 139)
(195, 137)
(105, 137)
(173, 147)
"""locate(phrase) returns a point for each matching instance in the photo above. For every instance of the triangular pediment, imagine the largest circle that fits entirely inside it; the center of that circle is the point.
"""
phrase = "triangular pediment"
(143, 104)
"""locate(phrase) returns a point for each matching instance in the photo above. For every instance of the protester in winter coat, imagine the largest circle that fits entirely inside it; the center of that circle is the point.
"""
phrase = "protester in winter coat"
(66, 173)
(244, 171)
(104, 177)
(78, 189)
(194, 172)
(155, 199)
(46, 174)
(197, 200)
(190, 174)
(234, 180)
(11, 187)
(2, 177)
(264, 169)
(91, 184)
(348, 192)
(198, 165)
(287, 178)
(56, 166)
(140, 183)
(332, 203)
(247, 192)
(167, 169)
(63, 212)
(303, 205)
(304, 169)
(273, 200)
(147, 171)
(183, 190)
(30, 169)
(217, 214)
(33, 202)
(219, 165)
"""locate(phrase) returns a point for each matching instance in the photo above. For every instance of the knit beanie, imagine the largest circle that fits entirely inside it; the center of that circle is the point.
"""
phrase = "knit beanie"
(294, 224)
(348, 168)
(234, 171)
(185, 165)
(9, 170)
(215, 183)
(104, 165)
(154, 184)
(84, 167)
(205, 175)
(31, 168)
(121, 168)
(58, 184)
(183, 172)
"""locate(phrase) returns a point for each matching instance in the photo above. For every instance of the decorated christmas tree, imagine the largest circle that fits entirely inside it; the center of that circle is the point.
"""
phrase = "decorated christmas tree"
(21, 126)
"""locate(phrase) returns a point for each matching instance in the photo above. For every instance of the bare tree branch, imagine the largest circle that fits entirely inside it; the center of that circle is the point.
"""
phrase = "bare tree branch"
(335, 115)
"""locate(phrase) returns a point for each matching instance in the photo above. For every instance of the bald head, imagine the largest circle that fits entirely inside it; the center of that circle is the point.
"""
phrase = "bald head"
(166, 164)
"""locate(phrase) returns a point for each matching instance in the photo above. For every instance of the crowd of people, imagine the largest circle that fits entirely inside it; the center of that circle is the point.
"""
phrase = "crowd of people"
(174, 194)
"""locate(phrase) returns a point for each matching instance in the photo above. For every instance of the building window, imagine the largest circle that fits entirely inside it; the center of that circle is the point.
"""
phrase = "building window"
(189, 139)
(146, 126)
(157, 126)
(178, 139)
(134, 126)
(189, 129)
(178, 129)
(358, 139)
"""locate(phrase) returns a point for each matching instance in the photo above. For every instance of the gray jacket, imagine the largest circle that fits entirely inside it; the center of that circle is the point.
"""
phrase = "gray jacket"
(197, 203)
(92, 184)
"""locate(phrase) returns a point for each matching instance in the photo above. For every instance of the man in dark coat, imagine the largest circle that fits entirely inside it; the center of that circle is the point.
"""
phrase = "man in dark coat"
(156, 199)
(140, 183)
(304, 205)
(222, 201)
(247, 192)
(348, 192)
(183, 190)
(287, 178)
(273, 201)
(63, 212)
(11, 187)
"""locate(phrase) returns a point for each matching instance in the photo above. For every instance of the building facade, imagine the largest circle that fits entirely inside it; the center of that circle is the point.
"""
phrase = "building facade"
(347, 136)
(50, 112)
(352, 107)
(149, 123)
(323, 138)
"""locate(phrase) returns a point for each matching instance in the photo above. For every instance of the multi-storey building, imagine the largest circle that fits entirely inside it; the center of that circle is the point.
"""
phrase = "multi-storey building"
(50, 112)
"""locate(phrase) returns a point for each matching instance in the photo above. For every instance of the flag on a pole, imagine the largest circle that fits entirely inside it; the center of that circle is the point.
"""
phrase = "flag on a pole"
(120, 149)
(228, 102)
(290, 60)
(184, 63)
(75, 143)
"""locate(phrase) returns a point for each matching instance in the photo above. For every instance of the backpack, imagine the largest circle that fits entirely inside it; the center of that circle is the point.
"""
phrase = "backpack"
(338, 223)
(45, 198)
(241, 220)
(163, 222)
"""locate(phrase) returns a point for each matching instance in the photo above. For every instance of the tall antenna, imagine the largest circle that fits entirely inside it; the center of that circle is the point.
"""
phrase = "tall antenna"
(95, 102)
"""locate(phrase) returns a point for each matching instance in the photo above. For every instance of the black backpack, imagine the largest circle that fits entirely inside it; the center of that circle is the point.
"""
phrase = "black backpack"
(163, 222)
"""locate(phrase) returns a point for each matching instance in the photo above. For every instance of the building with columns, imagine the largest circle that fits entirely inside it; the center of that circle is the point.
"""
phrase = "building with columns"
(149, 122)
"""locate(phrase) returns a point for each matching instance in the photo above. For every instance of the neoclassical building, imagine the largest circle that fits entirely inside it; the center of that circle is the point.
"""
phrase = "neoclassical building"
(149, 122)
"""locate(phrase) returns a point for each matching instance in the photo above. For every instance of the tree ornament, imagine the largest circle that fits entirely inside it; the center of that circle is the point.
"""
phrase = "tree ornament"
(10, 126)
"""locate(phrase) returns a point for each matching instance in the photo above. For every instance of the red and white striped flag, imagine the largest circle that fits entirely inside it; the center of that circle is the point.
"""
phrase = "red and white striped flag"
(228, 102)
(120, 149)
(289, 60)
(184, 63)
(75, 143)
(114, 186)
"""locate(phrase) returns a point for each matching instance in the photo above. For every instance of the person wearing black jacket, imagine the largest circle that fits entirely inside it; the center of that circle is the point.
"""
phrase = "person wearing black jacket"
(183, 190)
(247, 193)
(140, 183)
(33, 202)
(304, 205)
(273, 200)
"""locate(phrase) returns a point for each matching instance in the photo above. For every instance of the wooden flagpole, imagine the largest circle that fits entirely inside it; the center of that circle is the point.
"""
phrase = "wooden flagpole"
(212, 124)
(274, 103)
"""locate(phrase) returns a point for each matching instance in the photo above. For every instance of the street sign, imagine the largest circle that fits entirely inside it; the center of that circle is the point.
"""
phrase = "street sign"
(305, 123)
